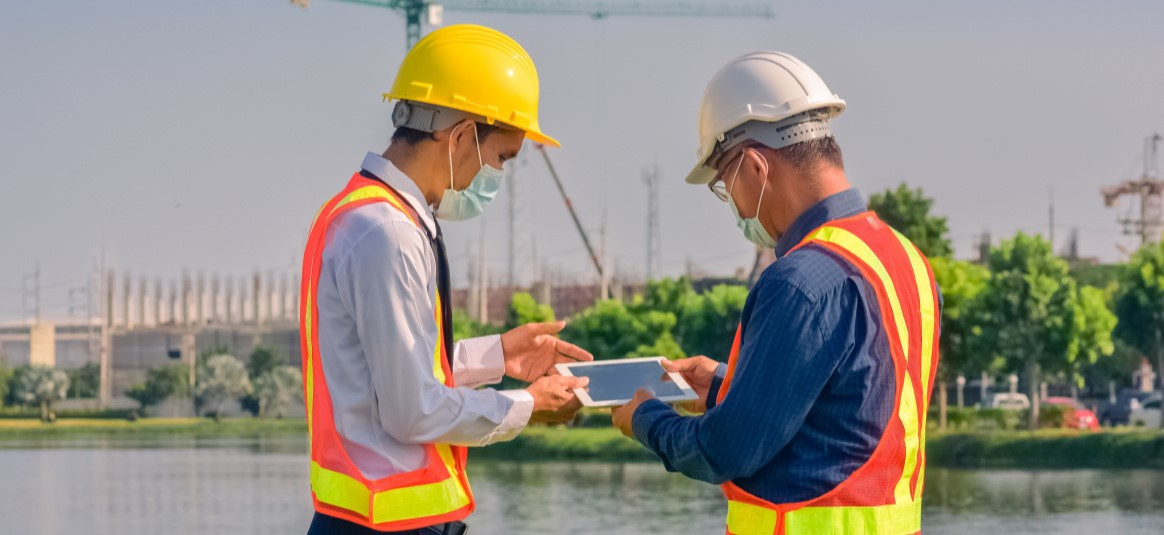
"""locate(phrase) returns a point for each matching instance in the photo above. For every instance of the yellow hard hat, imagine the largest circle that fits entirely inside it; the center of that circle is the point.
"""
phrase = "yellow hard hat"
(476, 70)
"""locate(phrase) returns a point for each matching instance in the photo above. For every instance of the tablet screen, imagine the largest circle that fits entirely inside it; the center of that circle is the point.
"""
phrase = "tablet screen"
(619, 380)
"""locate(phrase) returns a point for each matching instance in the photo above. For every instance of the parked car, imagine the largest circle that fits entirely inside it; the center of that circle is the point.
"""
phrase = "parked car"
(1010, 402)
(1118, 413)
(1147, 414)
(1075, 415)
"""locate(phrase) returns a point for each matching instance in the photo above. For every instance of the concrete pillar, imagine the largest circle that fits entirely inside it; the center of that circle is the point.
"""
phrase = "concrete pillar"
(257, 298)
(142, 310)
(174, 318)
(127, 313)
(42, 344)
(199, 299)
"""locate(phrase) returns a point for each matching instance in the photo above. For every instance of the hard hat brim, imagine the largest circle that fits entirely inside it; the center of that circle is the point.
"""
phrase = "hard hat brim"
(701, 174)
(538, 137)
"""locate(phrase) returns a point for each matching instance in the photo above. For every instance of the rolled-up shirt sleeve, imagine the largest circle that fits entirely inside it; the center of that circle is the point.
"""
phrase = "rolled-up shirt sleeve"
(386, 285)
(478, 361)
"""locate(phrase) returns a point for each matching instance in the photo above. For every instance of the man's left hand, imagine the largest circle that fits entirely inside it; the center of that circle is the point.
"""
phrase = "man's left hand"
(532, 350)
(623, 417)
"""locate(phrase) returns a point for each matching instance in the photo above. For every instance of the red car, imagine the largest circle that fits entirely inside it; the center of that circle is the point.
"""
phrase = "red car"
(1075, 416)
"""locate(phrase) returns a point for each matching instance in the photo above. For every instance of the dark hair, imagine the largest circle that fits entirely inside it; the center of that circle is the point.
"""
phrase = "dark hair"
(806, 157)
(412, 136)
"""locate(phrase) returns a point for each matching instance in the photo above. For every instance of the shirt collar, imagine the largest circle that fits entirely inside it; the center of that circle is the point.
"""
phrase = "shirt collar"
(386, 171)
(836, 206)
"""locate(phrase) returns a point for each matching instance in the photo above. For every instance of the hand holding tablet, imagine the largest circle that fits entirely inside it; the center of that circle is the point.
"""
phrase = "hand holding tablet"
(614, 382)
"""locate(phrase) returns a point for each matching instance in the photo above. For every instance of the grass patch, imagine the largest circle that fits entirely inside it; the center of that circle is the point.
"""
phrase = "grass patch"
(1050, 448)
(149, 428)
(1047, 449)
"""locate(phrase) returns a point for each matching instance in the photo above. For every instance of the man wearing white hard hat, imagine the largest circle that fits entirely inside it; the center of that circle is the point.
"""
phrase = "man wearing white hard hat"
(816, 424)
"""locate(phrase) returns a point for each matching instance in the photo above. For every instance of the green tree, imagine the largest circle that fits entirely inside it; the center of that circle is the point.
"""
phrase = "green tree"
(1028, 310)
(41, 385)
(523, 309)
(277, 388)
(908, 211)
(263, 359)
(1140, 305)
(707, 322)
(5, 383)
(161, 383)
(960, 283)
(611, 330)
(84, 381)
(465, 327)
(668, 295)
(1091, 332)
(221, 378)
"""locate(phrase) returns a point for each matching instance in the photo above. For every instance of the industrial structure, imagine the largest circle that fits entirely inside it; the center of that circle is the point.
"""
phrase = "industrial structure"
(1148, 221)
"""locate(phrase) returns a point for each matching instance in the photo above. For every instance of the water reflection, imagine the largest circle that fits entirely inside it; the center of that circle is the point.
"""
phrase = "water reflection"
(223, 486)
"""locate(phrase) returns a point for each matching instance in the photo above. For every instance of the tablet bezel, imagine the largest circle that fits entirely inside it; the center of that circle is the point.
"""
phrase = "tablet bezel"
(584, 396)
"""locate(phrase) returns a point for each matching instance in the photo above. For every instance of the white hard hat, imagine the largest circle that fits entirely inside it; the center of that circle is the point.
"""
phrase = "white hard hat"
(776, 98)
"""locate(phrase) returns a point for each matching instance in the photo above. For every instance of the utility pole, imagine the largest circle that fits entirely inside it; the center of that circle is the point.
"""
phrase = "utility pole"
(106, 279)
(482, 284)
(1150, 191)
(651, 179)
(604, 274)
(1051, 217)
(511, 176)
(30, 296)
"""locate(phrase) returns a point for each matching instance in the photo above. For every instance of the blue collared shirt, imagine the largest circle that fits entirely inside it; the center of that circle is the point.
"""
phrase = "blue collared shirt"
(814, 383)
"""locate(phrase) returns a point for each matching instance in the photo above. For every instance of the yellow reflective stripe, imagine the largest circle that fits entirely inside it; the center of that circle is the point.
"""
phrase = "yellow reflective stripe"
(925, 295)
(419, 501)
(437, 370)
(896, 519)
(747, 519)
(339, 490)
(929, 316)
(370, 192)
(309, 373)
(907, 411)
(907, 408)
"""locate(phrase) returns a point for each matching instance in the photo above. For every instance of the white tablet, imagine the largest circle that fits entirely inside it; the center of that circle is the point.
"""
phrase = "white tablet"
(614, 382)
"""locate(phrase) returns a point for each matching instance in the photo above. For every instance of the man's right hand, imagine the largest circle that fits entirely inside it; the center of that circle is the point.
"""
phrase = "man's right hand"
(554, 399)
(698, 371)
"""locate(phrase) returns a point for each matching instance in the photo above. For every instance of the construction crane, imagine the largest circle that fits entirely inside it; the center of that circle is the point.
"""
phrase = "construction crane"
(432, 11)
(1150, 190)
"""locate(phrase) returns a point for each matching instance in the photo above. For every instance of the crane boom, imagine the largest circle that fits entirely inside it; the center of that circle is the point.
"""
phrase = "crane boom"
(414, 9)
(601, 10)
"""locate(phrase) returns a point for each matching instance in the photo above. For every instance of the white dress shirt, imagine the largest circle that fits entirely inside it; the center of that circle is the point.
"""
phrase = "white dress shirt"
(377, 336)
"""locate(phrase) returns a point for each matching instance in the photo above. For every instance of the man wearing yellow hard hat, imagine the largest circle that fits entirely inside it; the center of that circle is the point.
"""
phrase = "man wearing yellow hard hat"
(392, 402)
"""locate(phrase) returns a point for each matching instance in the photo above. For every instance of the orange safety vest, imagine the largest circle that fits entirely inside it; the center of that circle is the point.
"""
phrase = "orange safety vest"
(435, 494)
(883, 496)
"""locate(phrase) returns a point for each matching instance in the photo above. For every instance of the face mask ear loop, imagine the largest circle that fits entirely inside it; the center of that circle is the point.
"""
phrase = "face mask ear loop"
(735, 174)
(762, 188)
(451, 134)
(478, 141)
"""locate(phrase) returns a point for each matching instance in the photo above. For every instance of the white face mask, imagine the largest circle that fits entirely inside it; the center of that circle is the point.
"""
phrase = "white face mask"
(751, 227)
(470, 202)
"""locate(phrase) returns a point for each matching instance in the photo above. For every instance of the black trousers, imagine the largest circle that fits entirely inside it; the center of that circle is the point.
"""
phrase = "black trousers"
(329, 525)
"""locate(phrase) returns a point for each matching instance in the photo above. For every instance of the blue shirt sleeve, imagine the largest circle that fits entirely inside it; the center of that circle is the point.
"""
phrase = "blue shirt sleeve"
(783, 365)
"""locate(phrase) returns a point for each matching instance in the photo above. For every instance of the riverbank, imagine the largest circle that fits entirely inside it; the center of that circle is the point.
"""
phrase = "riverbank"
(148, 428)
(1125, 448)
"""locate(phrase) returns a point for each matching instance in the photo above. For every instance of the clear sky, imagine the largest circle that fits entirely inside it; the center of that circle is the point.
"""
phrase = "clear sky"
(174, 134)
